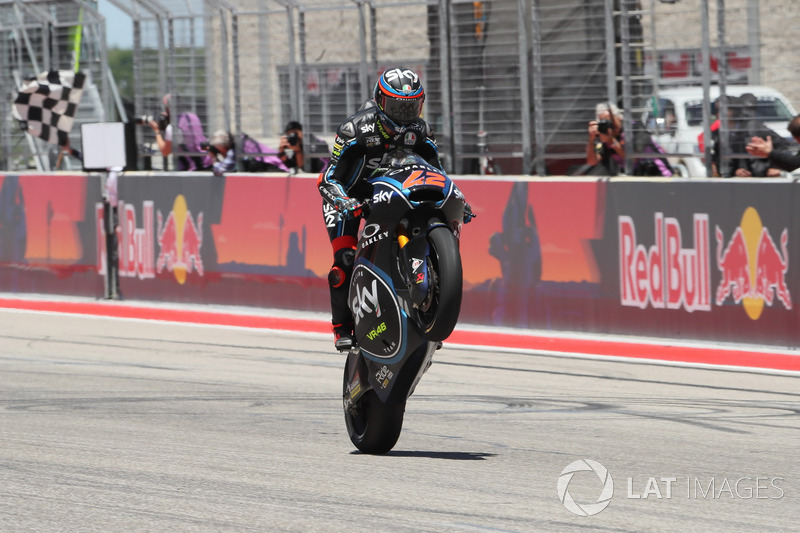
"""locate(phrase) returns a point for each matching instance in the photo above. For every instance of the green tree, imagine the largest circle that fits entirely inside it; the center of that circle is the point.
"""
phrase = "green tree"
(121, 64)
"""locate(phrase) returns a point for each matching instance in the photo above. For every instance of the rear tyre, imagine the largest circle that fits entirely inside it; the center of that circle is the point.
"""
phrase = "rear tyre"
(441, 316)
(373, 426)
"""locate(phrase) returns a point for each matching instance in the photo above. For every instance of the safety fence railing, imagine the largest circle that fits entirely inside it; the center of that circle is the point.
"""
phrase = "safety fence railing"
(511, 84)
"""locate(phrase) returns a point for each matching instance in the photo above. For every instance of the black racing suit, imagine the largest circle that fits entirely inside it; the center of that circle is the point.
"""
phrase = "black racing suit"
(360, 143)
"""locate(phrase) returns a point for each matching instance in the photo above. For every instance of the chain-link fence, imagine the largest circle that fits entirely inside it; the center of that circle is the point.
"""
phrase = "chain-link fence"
(511, 84)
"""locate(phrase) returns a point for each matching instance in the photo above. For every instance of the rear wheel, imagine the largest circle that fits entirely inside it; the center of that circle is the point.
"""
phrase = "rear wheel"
(373, 426)
(441, 312)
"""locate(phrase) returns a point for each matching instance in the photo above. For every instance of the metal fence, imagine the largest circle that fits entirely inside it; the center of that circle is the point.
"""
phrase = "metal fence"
(511, 84)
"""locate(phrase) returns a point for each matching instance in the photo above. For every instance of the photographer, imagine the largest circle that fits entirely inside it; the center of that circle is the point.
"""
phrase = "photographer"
(163, 131)
(220, 147)
(162, 128)
(605, 150)
(290, 149)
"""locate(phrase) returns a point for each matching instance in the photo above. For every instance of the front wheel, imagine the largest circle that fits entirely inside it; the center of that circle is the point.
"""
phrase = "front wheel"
(373, 426)
(440, 317)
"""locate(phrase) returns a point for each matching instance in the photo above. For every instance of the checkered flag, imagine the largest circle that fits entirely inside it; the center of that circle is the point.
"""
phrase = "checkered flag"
(46, 105)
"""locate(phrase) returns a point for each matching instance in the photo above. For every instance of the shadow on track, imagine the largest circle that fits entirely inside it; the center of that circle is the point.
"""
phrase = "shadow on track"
(453, 456)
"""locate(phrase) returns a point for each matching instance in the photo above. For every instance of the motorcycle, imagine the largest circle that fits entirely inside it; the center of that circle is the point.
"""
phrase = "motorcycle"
(405, 293)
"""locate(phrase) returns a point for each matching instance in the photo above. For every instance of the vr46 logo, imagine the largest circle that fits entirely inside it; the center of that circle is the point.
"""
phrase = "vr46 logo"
(377, 331)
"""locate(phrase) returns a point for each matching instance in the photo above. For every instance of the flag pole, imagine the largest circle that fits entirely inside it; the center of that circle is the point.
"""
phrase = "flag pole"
(77, 34)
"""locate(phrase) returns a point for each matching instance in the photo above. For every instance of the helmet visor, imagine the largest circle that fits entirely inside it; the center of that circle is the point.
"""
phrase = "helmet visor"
(402, 110)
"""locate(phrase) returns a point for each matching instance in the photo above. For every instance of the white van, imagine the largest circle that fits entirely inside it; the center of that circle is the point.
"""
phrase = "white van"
(680, 121)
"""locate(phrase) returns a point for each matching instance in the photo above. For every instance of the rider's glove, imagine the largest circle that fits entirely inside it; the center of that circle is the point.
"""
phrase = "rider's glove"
(348, 207)
(468, 214)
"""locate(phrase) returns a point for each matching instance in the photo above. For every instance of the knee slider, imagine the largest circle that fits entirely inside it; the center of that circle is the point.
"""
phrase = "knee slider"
(336, 277)
(345, 258)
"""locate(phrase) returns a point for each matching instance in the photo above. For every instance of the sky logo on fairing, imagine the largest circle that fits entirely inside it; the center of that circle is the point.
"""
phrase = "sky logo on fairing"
(366, 301)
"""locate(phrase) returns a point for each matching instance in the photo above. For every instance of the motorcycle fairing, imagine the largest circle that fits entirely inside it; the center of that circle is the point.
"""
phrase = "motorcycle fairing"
(414, 268)
(380, 322)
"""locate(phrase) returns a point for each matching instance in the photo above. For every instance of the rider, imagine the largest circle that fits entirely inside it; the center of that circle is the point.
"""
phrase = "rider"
(390, 120)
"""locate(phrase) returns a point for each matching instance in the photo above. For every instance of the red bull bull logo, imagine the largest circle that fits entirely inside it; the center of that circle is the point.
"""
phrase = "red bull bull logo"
(752, 267)
(179, 240)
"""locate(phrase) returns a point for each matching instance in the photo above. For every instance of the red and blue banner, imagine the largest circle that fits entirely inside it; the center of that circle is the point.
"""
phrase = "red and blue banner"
(681, 259)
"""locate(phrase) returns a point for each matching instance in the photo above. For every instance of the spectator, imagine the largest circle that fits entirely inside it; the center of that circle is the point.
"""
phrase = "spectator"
(192, 144)
(741, 124)
(290, 148)
(163, 129)
(221, 149)
(605, 151)
(780, 158)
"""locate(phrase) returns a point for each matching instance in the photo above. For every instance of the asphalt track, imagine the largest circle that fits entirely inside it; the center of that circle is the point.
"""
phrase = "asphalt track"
(123, 417)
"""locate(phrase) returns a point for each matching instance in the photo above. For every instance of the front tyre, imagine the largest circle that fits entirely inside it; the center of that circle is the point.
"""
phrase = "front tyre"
(439, 319)
(373, 426)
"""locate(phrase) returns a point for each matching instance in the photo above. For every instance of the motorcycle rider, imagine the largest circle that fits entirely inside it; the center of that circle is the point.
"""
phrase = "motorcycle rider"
(390, 120)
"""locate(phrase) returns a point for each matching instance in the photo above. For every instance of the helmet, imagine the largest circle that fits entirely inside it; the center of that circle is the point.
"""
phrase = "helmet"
(399, 95)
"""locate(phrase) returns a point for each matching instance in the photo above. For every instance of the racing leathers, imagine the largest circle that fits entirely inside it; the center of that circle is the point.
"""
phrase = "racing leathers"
(360, 143)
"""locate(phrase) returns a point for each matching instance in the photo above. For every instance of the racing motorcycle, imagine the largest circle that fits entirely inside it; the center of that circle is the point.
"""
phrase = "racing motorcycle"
(405, 293)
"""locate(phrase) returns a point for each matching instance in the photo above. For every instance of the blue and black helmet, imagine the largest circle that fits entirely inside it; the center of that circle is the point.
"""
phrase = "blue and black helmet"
(399, 95)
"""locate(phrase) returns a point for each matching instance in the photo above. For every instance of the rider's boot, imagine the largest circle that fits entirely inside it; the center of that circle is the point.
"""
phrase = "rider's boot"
(343, 337)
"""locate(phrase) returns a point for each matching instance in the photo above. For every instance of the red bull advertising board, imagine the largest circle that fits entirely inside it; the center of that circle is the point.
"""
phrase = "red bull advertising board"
(694, 262)
(674, 259)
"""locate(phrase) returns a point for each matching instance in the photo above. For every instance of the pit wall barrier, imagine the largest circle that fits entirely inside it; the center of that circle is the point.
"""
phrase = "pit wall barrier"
(709, 260)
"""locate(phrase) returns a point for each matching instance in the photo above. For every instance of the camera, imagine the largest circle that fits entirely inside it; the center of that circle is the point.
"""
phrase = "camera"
(163, 121)
(292, 138)
(208, 148)
(603, 126)
(143, 119)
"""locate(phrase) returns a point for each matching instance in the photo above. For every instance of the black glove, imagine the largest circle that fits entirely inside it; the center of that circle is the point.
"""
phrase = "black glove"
(348, 207)
(468, 214)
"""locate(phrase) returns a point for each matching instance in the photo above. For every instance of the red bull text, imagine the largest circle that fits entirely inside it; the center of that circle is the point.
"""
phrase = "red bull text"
(135, 245)
(665, 275)
(179, 241)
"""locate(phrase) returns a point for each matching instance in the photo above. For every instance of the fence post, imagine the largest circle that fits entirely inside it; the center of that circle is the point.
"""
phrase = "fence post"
(722, 111)
(611, 52)
(538, 91)
(754, 40)
(524, 77)
(237, 81)
(625, 54)
(444, 76)
(706, 73)
(362, 51)
(294, 93)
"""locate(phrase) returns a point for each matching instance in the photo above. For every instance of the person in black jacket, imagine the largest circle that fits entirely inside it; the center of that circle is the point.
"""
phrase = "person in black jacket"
(781, 158)
(390, 120)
